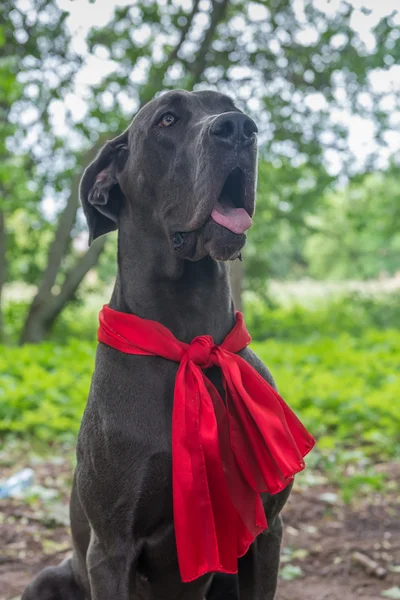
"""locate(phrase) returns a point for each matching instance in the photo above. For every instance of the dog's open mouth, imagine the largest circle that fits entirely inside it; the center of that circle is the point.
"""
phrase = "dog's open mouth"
(229, 210)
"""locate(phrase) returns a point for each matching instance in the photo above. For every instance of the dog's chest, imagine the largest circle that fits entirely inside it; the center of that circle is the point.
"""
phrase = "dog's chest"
(126, 433)
(134, 396)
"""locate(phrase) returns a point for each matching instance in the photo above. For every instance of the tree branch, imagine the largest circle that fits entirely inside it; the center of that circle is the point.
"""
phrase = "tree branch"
(217, 15)
(62, 235)
(75, 276)
(184, 32)
(157, 72)
(44, 311)
(44, 305)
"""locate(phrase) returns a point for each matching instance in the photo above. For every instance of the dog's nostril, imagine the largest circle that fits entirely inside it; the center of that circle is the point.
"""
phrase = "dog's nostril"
(224, 129)
(249, 128)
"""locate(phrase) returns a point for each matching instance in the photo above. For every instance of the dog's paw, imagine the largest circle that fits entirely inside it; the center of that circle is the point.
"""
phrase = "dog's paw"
(54, 583)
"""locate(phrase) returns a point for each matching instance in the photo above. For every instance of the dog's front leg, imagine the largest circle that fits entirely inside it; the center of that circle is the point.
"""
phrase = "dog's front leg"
(259, 568)
(111, 568)
(268, 550)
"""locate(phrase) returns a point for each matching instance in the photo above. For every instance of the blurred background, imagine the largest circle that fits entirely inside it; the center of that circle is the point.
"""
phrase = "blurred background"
(320, 279)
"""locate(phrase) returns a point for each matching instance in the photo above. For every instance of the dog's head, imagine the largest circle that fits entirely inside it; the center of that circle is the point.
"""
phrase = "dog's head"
(188, 163)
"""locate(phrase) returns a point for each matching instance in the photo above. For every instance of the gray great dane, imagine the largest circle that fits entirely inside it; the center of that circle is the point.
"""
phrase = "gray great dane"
(167, 184)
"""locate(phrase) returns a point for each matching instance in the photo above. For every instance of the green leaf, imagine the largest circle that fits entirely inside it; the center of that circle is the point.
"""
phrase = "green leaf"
(290, 572)
(393, 593)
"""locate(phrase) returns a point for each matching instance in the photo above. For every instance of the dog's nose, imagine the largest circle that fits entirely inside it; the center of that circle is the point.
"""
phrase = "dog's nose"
(234, 128)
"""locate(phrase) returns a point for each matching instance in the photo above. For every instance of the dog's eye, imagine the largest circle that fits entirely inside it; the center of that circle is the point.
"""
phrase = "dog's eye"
(167, 120)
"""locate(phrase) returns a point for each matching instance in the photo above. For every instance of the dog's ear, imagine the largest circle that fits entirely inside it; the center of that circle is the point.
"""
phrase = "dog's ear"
(100, 193)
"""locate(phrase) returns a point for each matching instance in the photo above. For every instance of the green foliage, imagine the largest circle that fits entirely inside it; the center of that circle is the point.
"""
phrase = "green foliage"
(351, 314)
(290, 572)
(14, 315)
(67, 326)
(362, 220)
(83, 328)
(364, 482)
(44, 389)
(306, 225)
(36, 71)
(393, 593)
(287, 195)
(345, 389)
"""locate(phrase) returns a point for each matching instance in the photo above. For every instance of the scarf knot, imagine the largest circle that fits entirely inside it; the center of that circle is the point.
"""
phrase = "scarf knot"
(201, 350)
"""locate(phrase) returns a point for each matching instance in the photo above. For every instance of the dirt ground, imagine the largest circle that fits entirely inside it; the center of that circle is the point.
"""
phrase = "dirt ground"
(331, 551)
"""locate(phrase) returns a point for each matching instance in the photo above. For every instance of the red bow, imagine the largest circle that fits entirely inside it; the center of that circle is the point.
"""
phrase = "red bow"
(223, 453)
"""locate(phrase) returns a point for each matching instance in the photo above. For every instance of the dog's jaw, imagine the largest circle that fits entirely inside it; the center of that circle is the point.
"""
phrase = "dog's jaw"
(218, 229)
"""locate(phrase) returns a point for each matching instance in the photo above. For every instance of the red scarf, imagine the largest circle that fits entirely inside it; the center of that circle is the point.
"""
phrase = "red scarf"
(223, 453)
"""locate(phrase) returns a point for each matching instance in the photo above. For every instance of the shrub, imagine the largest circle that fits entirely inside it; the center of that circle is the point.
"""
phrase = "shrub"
(352, 313)
(345, 389)
(43, 389)
(75, 321)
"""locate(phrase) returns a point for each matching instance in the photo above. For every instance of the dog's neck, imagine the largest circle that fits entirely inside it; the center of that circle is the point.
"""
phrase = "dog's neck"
(190, 298)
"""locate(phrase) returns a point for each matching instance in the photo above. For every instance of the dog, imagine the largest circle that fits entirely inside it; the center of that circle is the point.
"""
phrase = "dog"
(168, 184)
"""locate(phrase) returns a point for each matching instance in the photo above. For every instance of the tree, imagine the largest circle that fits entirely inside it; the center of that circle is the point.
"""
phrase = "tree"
(15, 170)
(36, 69)
(356, 250)
(288, 197)
(277, 57)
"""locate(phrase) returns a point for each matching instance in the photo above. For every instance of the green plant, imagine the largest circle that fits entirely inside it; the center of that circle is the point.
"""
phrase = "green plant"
(43, 389)
(76, 321)
(349, 313)
(345, 388)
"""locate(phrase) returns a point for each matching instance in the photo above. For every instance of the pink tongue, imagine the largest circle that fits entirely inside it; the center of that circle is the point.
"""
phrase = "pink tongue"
(234, 219)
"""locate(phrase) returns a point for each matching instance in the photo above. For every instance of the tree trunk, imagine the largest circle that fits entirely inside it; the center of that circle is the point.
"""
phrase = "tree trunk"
(44, 304)
(43, 312)
(184, 32)
(2, 270)
(236, 272)
(218, 13)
